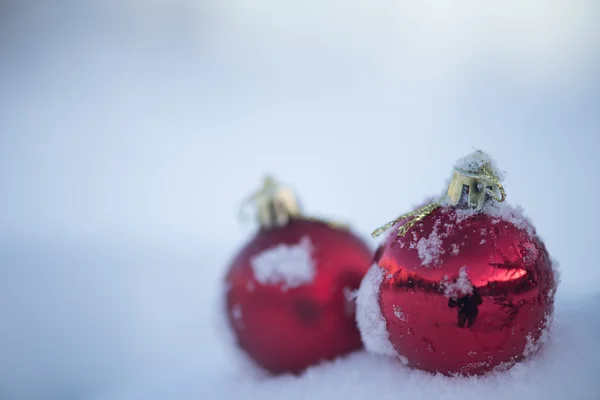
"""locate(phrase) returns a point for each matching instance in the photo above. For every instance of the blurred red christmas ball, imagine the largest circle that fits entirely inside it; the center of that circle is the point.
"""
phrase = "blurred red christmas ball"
(462, 291)
(289, 293)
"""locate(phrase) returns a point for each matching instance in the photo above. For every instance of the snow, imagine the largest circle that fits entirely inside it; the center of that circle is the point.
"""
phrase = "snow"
(513, 214)
(372, 326)
(501, 211)
(430, 247)
(473, 162)
(533, 346)
(399, 313)
(288, 265)
(566, 367)
(454, 249)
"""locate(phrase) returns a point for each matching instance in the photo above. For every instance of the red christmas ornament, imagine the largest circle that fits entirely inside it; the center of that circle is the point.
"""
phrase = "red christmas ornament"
(462, 286)
(289, 289)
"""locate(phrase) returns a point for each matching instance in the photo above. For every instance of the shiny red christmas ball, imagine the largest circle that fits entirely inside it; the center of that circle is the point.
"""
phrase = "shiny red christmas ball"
(462, 292)
(289, 294)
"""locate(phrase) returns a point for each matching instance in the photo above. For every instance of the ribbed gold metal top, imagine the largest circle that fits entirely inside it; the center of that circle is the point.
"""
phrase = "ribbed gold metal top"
(275, 205)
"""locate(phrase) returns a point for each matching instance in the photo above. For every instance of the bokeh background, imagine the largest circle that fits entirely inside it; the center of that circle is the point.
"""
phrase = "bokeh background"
(130, 132)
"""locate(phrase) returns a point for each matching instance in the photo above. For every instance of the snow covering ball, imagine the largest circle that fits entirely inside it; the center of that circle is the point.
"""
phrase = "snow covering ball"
(462, 291)
(289, 292)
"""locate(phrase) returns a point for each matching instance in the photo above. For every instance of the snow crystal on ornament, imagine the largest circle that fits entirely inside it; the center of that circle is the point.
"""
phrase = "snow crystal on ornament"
(236, 314)
(372, 326)
(399, 313)
(473, 162)
(454, 249)
(291, 265)
(413, 243)
(501, 211)
(431, 247)
(506, 212)
(532, 346)
(461, 287)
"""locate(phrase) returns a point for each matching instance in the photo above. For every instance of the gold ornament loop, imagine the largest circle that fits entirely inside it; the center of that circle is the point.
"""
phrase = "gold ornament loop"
(413, 218)
(487, 171)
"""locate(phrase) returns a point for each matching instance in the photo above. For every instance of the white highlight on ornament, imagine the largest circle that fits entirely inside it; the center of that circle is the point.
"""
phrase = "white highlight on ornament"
(290, 265)
(372, 325)
(413, 243)
(236, 312)
(350, 294)
(349, 301)
(506, 212)
(461, 287)
(430, 248)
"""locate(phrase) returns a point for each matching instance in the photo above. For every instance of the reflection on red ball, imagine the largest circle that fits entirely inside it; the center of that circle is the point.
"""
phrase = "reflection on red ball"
(285, 315)
(466, 293)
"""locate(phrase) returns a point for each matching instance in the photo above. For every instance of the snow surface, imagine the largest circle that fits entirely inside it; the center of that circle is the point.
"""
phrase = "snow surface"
(144, 326)
(372, 326)
(289, 265)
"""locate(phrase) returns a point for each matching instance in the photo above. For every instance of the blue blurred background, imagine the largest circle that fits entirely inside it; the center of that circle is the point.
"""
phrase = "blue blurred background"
(131, 130)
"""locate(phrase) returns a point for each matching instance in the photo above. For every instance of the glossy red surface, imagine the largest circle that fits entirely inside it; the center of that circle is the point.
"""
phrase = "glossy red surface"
(289, 330)
(502, 320)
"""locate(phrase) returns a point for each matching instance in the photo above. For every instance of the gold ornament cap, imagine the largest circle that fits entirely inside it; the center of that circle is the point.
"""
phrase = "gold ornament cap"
(475, 180)
(275, 205)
